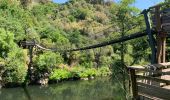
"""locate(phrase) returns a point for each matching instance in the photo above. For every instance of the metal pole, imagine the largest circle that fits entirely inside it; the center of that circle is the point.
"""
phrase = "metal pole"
(150, 35)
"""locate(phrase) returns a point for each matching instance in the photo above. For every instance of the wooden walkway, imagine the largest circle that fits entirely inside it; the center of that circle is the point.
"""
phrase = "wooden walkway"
(150, 82)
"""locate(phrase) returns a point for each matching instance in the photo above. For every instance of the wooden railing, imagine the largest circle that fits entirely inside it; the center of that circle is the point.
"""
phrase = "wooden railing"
(143, 86)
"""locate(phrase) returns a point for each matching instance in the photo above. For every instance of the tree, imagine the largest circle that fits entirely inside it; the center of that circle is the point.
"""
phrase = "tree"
(127, 20)
(44, 64)
(15, 68)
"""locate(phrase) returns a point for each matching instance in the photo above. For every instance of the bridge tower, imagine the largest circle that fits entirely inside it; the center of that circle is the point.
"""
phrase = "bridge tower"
(160, 22)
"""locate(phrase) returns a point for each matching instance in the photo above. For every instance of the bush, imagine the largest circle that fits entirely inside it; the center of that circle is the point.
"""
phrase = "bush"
(81, 14)
(88, 73)
(15, 68)
(60, 74)
(15, 65)
(47, 61)
(76, 71)
(104, 71)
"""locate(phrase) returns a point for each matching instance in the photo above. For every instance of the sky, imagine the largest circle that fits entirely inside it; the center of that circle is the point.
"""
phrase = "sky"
(141, 4)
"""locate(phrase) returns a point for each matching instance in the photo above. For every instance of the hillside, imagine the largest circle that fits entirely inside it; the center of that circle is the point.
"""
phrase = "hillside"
(74, 24)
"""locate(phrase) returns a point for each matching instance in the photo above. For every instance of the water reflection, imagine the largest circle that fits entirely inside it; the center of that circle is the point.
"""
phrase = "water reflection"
(98, 89)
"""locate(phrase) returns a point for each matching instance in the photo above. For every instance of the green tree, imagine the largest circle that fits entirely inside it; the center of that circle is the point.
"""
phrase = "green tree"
(15, 68)
(48, 61)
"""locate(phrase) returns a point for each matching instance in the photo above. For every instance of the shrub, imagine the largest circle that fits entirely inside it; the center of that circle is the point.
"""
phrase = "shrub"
(88, 73)
(15, 68)
(104, 71)
(76, 72)
(47, 61)
(60, 74)
(81, 14)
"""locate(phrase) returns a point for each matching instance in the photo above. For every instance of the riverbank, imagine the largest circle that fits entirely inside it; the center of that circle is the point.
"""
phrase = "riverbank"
(78, 73)
(65, 73)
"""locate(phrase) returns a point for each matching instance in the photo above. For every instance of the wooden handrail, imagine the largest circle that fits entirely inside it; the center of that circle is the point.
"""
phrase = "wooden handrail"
(136, 67)
(159, 66)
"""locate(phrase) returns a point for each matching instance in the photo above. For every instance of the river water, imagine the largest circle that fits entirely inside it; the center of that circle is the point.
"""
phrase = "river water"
(98, 89)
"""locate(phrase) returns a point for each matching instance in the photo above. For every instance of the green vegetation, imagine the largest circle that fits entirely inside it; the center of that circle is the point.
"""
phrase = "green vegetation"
(74, 24)
(78, 72)
(13, 57)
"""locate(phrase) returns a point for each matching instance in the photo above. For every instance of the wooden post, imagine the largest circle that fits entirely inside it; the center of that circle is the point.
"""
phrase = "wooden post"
(158, 28)
(31, 53)
(164, 48)
(161, 39)
(134, 89)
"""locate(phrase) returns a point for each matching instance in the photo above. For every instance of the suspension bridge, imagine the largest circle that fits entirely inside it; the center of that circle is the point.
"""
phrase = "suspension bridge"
(154, 82)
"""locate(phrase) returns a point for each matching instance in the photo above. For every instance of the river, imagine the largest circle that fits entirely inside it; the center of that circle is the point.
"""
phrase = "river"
(98, 89)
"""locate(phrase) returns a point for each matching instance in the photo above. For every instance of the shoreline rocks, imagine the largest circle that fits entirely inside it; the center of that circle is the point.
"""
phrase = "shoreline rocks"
(43, 81)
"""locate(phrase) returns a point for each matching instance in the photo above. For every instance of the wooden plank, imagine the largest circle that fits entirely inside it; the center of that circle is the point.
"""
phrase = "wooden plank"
(163, 73)
(154, 79)
(161, 65)
(165, 64)
(154, 91)
(147, 97)
(136, 67)
(166, 27)
(155, 73)
(166, 87)
(165, 19)
(165, 10)
(158, 73)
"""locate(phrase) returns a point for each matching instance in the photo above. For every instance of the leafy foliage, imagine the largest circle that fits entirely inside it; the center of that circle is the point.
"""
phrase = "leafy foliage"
(48, 61)
(78, 72)
(15, 68)
(60, 74)
(74, 24)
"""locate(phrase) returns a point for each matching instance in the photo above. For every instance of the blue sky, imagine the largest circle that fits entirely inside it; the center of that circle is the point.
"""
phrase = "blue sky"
(141, 4)
(144, 4)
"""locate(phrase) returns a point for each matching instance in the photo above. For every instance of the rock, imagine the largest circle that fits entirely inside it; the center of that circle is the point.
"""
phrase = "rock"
(91, 77)
(84, 79)
(43, 81)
